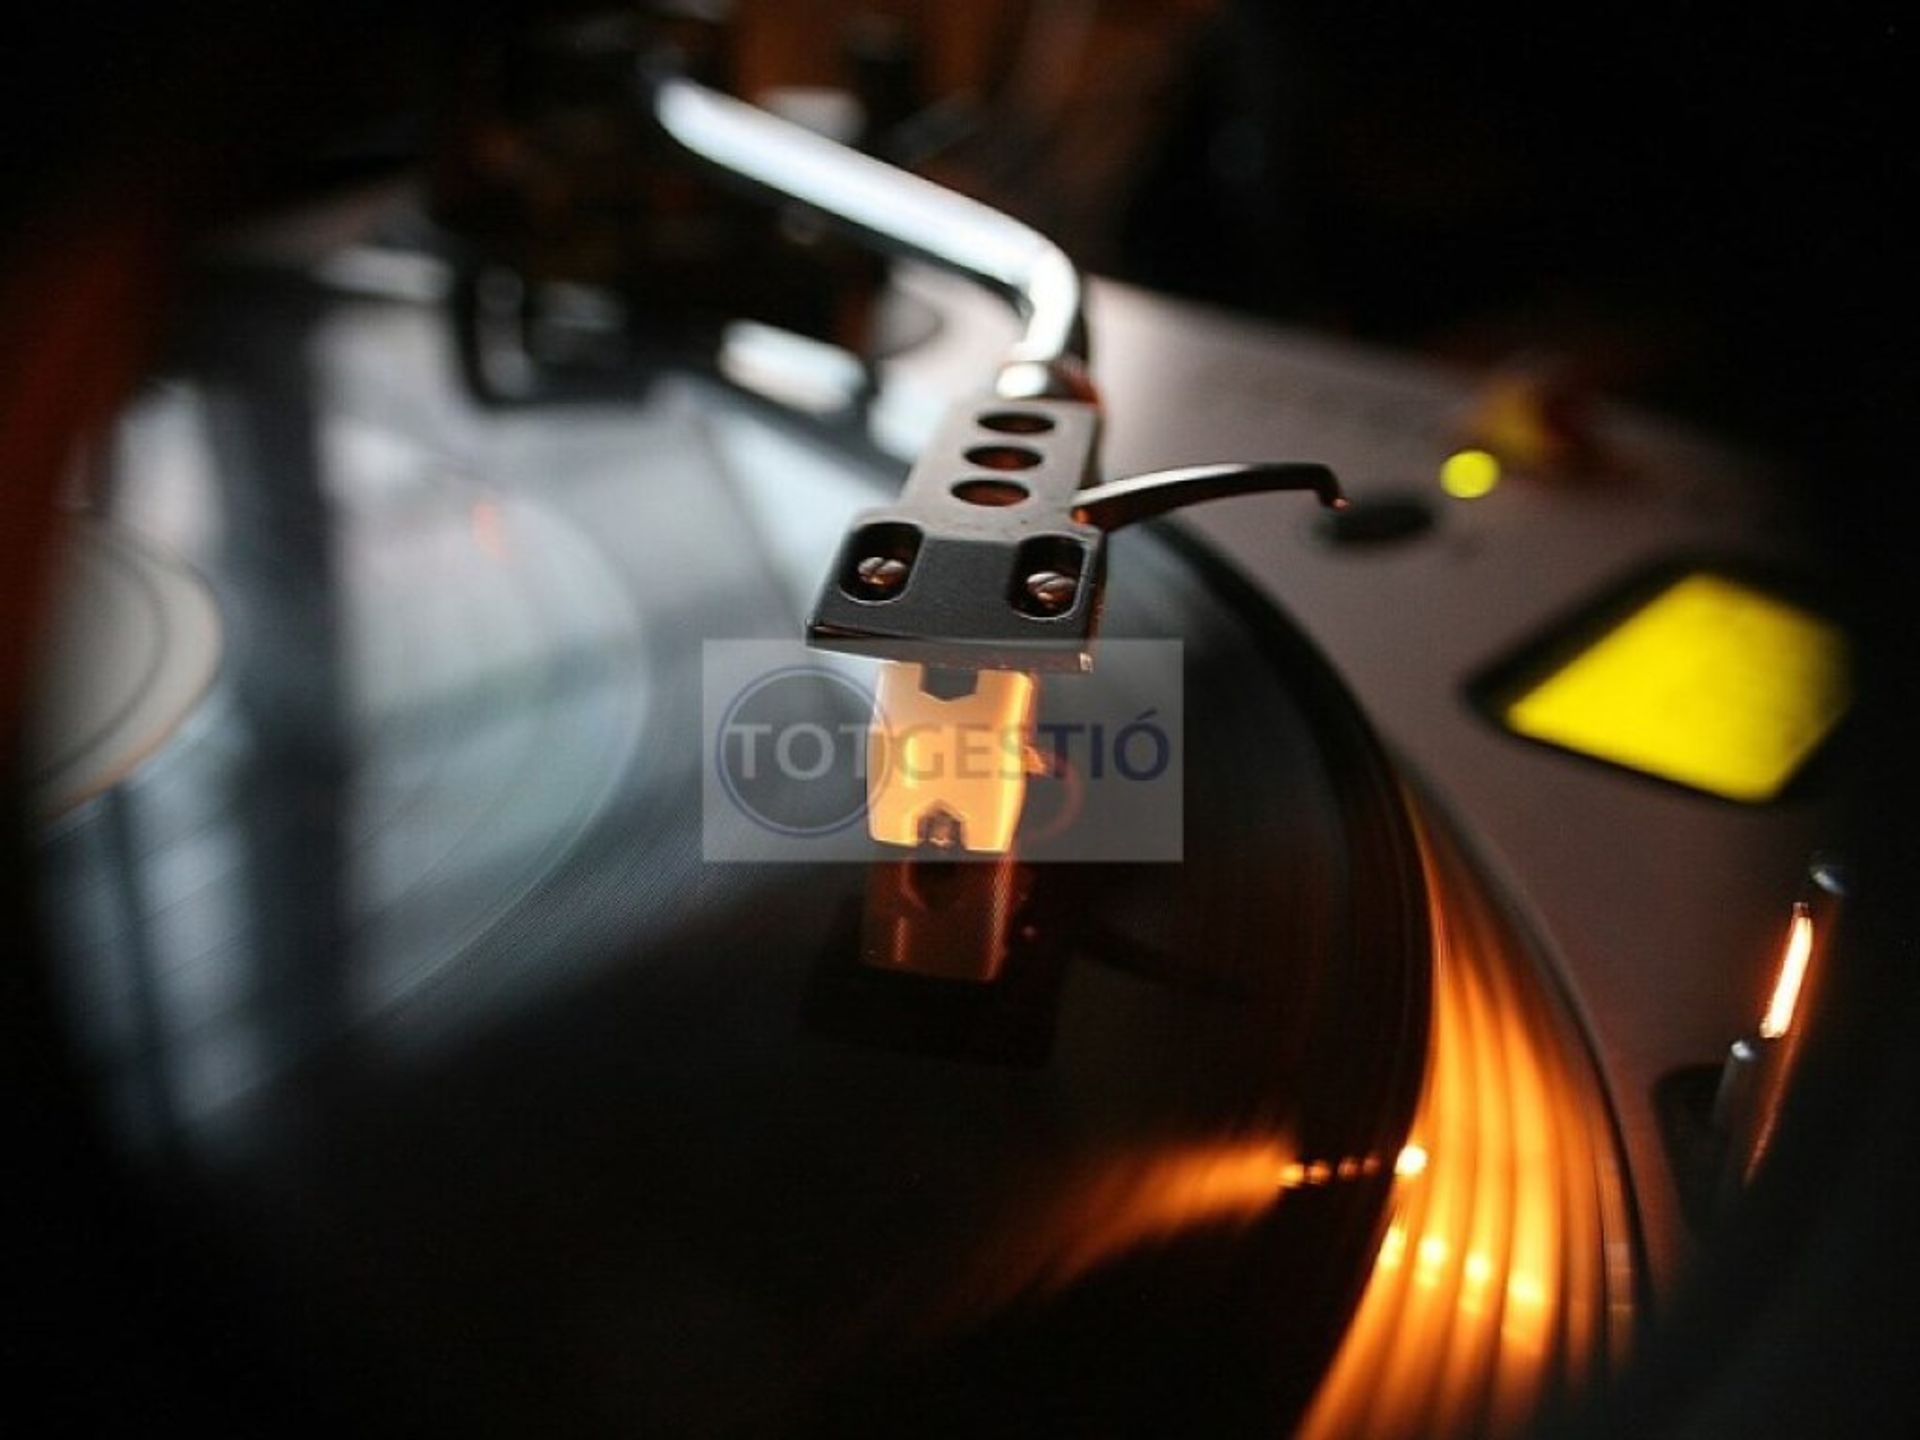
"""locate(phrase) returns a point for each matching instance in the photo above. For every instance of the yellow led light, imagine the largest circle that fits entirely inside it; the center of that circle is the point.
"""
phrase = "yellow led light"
(1469, 474)
(1712, 684)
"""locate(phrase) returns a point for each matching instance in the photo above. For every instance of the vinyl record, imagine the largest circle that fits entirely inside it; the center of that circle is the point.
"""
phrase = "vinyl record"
(402, 960)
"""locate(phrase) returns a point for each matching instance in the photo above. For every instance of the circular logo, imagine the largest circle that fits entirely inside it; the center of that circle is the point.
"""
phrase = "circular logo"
(792, 751)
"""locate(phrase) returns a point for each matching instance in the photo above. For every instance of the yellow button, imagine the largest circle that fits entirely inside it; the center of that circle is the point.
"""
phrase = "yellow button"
(1712, 684)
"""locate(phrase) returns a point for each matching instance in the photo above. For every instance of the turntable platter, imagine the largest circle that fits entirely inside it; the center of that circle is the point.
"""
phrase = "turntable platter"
(404, 960)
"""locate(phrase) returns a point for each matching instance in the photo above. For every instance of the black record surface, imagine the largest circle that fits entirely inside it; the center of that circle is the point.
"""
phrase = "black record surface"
(403, 970)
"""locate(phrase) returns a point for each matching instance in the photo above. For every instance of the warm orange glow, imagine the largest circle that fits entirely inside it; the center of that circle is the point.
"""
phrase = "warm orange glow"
(1066, 1226)
(1793, 974)
(1504, 1273)
(1295, 1173)
(962, 757)
(1118, 1205)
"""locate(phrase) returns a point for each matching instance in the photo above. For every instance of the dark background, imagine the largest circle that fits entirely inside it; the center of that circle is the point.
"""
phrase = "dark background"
(1706, 210)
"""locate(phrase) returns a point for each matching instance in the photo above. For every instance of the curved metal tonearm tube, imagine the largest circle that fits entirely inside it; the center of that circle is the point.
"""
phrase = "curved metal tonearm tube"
(904, 214)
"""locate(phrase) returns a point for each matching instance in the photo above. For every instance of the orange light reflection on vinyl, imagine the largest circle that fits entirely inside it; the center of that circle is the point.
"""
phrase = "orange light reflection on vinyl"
(1165, 1195)
(1505, 1274)
(1118, 1204)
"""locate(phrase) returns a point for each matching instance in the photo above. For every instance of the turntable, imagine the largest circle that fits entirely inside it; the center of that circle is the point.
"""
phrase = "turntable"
(1270, 1031)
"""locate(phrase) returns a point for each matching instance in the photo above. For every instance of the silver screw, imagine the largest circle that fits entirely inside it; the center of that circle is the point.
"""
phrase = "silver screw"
(881, 574)
(1050, 590)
